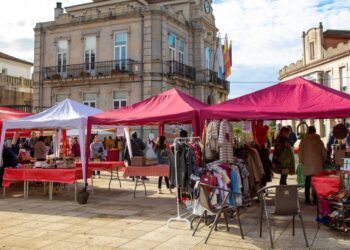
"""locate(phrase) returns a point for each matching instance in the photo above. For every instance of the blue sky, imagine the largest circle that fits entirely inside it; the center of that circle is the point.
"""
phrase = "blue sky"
(266, 34)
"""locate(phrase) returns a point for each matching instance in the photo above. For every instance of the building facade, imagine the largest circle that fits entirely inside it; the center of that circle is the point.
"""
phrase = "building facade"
(326, 60)
(113, 53)
(15, 82)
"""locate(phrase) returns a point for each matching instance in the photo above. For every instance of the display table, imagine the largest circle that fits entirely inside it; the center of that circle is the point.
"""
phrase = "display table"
(109, 166)
(325, 184)
(138, 172)
(27, 175)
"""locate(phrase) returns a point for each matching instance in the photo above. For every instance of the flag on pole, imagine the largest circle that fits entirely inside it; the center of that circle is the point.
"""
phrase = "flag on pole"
(220, 59)
(230, 52)
(227, 63)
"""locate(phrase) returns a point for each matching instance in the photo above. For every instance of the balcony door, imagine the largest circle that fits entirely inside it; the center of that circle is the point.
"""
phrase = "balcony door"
(172, 52)
(181, 56)
(90, 55)
(62, 58)
(120, 51)
(207, 63)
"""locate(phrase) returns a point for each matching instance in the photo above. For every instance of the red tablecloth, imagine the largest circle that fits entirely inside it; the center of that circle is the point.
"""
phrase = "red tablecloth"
(157, 170)
(39, 174)
(112, 155)
(103, 165)
(325, 184)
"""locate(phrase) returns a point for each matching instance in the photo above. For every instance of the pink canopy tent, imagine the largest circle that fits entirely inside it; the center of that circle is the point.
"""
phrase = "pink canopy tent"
(297, 98)
(169, 107)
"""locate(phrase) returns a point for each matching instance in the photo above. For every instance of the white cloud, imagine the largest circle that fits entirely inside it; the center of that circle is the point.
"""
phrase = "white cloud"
(266, 34)
(17, 21)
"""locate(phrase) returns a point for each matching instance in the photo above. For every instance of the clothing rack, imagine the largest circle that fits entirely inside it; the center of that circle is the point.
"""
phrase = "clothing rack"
(180, 217)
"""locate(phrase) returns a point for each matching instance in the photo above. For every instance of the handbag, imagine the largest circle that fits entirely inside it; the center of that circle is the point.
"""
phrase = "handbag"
(209, 179)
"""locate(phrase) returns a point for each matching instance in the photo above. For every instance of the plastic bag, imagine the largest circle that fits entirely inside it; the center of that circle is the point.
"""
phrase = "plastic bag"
(300, 176)
(150, 154)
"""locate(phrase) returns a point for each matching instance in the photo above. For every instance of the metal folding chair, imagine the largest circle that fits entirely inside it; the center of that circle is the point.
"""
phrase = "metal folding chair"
(217, 210)
(286, 203)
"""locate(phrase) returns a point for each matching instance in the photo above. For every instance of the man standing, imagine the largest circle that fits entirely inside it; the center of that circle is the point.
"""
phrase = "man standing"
(29, 144)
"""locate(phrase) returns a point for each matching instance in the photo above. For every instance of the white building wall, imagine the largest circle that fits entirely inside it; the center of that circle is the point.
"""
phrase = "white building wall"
(16, 68)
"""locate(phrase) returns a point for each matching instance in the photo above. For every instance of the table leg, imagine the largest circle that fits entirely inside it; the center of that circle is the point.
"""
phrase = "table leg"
(144, 185)
(137, 180)
(3, 192)
(75, 191)
(110, 180)
(92, 184)
(25, 189)
(50, 190)
(120, 183)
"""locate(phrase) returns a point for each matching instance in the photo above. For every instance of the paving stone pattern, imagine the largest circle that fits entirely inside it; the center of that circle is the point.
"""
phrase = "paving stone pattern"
(114, 219)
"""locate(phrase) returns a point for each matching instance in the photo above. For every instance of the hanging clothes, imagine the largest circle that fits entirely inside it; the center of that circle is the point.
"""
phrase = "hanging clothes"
(211, 140)
(226, 142)
(260, 132)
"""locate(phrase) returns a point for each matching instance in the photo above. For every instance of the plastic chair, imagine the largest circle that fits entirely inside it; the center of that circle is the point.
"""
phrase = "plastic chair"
(217, 210)
(286, 203)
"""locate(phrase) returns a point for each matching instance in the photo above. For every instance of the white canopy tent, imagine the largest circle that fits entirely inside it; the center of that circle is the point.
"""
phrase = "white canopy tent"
(67, 114)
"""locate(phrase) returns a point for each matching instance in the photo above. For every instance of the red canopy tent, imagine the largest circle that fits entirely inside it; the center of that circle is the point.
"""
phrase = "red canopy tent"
(297, 98)
(10, 114)
(169, 107)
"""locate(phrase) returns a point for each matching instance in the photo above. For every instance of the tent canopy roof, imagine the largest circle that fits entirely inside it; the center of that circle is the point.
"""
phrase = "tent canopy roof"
(297, 98)
(9, 114)
(66, 114)
(172, 106)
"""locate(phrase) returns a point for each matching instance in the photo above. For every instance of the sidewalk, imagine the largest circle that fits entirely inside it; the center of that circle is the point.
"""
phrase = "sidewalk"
(113, 219)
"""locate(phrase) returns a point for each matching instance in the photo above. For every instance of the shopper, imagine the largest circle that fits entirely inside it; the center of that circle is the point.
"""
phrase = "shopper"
(75, 149)
(292, 136)
(162, 152)
(330, 142)
(9, 160)
(29, 144)
(40, 150)
(110, 143)
(97, 151)
(312, 156)
(283, 161)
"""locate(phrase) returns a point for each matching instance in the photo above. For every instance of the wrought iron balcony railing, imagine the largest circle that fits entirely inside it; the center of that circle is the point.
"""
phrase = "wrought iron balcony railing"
(91, 69)
(212, 77)
(180, 69)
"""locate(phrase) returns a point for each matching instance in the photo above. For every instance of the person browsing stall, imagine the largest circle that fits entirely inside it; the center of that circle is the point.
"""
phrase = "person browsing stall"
(29, 144)
(75, 149)
(9, 159)
(283, 161)
(162, 152)
(97, 151)
(40, 150)
(312, 156)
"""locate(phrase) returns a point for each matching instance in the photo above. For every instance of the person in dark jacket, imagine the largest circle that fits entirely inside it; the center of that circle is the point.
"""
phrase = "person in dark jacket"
(292, 136)
(162, 152)
(283, 161)
(9, 160)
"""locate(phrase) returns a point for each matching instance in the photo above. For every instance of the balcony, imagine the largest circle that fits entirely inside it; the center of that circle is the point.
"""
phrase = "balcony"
(211, 76)
(86, 70)
(179, 69)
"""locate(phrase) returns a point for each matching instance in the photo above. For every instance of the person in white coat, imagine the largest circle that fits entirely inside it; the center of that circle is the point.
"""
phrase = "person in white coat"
(312, 156)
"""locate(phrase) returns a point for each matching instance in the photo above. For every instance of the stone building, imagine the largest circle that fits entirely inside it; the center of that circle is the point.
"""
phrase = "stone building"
(112, 53)
(326, 60)
(15, 82)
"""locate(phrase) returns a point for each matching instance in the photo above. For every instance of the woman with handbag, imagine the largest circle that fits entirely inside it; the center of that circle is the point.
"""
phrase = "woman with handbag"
(162, 152)
(312, 156)
(283, 161)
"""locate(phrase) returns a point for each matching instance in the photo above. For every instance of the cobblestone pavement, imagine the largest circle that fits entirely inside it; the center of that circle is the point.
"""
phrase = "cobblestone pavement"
(114, 219)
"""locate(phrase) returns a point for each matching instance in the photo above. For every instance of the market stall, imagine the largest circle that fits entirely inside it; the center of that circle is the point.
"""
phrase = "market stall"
(297, 98)
(169, 107)
(67, 114)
